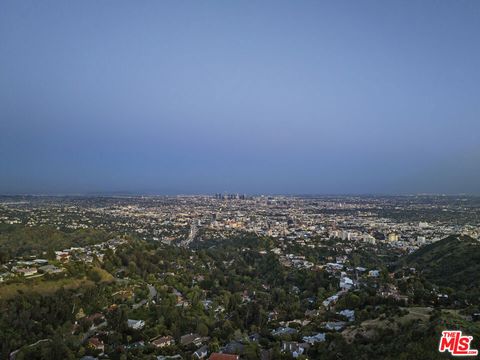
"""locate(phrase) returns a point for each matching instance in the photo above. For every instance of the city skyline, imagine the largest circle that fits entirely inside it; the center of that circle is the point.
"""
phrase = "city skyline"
(243, 180)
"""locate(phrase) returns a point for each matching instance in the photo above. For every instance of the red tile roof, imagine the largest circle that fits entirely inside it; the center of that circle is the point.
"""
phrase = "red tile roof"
(218, 356)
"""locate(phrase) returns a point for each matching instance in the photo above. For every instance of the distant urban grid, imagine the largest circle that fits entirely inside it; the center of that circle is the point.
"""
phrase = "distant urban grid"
(229, 275)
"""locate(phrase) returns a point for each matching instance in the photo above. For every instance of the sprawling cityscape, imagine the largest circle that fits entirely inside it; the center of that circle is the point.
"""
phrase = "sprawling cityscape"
(239, 180)
(229, 276)
(179, 220)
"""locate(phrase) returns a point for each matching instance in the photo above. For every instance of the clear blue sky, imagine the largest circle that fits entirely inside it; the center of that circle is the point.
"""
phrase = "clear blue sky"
(241, 96)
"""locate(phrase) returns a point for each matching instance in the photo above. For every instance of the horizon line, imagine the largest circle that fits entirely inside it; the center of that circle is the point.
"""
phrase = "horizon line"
(158, 194)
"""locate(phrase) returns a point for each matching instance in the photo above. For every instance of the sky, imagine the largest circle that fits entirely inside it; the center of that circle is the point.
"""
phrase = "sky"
(291, 97)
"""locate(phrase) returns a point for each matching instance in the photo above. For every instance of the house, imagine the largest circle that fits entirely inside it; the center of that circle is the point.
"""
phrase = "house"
(171, 357)
(255, 337)
(234, 347)
(162, 341)
(273, 315)
(25, 263)
(178, 295)
(246, 297)
(335, 325)
(311, 313)
(346, 283)
(191, 338)
(374, 273)
(284, 331)
(135, 324)
(219, 309)
(40, 262)
(84, 258)
(219, 356)
(50, 269)
(4, 276)
(27, 271)
(62, 255)
(294, 348)
(96, 344)
(207, 304)
(332, 267)
(330, 301)
(320, 337)
(349, 314)
(201, 353)
(96, 318)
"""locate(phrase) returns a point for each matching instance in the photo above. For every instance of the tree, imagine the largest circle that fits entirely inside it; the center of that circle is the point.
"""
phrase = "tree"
(202, 329)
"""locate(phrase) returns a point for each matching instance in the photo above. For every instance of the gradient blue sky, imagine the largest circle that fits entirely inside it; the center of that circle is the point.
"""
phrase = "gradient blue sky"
(240, 96)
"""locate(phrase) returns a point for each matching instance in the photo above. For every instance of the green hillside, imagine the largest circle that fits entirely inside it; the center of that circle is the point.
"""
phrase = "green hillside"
(453, 262)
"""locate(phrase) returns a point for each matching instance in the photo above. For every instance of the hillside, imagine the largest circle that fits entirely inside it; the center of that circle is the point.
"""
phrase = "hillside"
(453, 262)
(19, 240)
